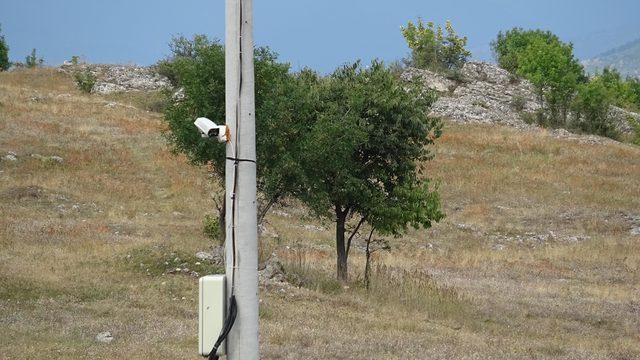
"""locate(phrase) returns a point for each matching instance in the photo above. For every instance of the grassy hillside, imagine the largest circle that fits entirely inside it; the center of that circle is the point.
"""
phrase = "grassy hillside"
(538, 256)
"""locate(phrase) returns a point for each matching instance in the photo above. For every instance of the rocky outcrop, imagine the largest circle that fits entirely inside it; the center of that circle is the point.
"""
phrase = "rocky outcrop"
(486, 93)
(118, 78)
(623, 118)
(483, 93)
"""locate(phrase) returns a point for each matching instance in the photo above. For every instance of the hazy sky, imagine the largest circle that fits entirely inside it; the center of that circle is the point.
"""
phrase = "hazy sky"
(320, 33)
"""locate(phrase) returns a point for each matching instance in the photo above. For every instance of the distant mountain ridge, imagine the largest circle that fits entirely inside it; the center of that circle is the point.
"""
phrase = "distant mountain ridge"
(625, 59)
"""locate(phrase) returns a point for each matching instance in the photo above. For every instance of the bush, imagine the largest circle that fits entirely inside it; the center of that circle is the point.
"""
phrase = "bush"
(592, 104)
(625, 92)
(85, 80)
(32, 61)
(4, 54)
(636, 132)
(432, 49)
(546, 61)
(183, 52)
(211, 228)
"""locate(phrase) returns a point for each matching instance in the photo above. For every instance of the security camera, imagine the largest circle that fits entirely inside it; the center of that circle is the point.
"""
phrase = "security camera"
(209, 129)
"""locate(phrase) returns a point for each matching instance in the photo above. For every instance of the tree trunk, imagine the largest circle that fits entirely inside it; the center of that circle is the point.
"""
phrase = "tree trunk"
(367, 265)
(341, 250)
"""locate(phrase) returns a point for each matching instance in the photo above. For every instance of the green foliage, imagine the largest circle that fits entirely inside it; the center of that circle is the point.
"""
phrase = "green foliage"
(546, 61)
(347, 145)
(211, 228)
(4, 53)
(432, 49)
(280, 107)
(591, 107)
(555, 74)
(32, 61)
(368, 134)
(636, 132)
(183, 52)
(85, 80)
(509, 45)
(634, 89)
(625, 92)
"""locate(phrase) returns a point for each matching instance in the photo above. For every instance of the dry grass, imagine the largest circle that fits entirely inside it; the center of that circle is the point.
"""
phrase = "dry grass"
(535, 259)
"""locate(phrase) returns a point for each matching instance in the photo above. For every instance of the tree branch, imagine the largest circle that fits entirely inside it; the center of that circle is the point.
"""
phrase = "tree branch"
(263, 212)
(355, 231)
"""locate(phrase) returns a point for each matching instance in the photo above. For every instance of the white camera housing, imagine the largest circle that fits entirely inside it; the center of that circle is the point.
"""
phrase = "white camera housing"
(209, 129)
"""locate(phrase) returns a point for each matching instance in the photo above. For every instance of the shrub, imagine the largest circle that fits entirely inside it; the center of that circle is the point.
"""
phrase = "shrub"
(546, 61)
(636, 132)
(432, 49)
(592, 104)
(4, 54)
(32, 61)
(85, 80)
(211, 228)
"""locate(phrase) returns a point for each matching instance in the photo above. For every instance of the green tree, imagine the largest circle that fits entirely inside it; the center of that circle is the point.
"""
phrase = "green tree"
(432, 49)
(625, 92)
(591, 107)
(280, 106)
(555, 73)
(362, 155)
(541, 57)
(509, 45)
(183, 51)
(32, 60)
(4, 53)
(634, 89)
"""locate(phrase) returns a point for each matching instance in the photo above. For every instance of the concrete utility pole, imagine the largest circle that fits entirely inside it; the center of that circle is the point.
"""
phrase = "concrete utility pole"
(241, 246)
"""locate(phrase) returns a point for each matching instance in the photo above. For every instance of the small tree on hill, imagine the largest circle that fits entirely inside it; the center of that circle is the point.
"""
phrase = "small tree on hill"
(362, 155)
(32, 60)
(548, 63)
(509, 45)
(591, 106)
(4, 53)
(432, 49)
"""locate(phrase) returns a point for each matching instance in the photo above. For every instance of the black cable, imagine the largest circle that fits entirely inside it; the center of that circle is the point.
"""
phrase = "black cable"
(228, 324)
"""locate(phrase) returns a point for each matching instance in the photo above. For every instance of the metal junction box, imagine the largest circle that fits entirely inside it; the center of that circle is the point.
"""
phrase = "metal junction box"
(211, 313)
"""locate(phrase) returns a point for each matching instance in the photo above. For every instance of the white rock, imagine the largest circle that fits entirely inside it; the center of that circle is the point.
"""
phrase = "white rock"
(314, 228)
(57, 159)
(203, 255)
(10, 157)
(179, 95)
(104, 337)
(106, 88)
